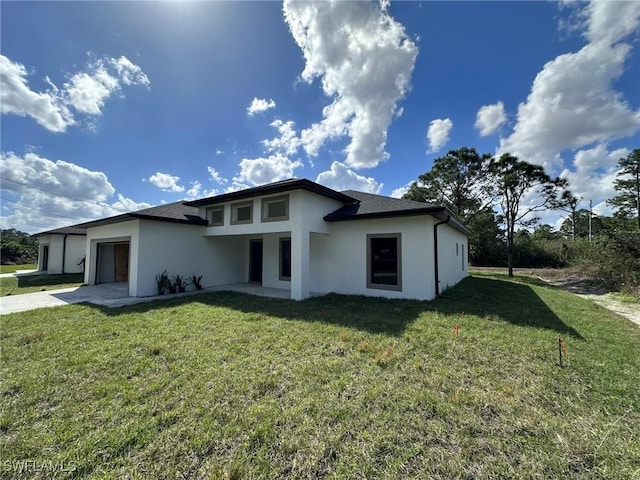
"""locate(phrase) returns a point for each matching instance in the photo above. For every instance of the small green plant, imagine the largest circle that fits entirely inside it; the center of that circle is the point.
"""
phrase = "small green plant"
(195, 281)
(162, 282)
(179, 283)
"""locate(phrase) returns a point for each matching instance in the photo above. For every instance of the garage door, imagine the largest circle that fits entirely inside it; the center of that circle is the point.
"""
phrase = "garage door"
(113, 262)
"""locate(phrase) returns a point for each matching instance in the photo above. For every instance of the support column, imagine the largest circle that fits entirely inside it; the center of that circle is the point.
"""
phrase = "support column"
(299, 264)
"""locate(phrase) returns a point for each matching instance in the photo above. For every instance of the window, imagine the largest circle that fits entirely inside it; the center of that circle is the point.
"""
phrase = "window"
(241, 213)
(215, 216)
(384, 261)
(457, 254)
(462, 256)
(275, 209)
(285, 259)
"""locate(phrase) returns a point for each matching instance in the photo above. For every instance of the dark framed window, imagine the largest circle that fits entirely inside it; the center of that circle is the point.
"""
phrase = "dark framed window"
(285, 258)
(384, 261)
(275, 209)
(241, 213)
(215, 216)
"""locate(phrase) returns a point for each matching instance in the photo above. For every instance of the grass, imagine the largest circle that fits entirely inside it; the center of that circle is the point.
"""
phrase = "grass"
(15, 268)
(38, 283)
(225, 385)
(625, 298)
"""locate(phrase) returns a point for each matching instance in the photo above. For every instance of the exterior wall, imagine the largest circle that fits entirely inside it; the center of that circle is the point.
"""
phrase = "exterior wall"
(304, 207)
(271, 261)
(340, 260)
(452, 256)
(125, 231)
(75, 250)
(181, 249)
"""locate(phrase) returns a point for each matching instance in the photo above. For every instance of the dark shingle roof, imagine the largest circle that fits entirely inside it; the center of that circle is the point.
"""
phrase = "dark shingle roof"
(72, 230)
(176, 212)
(369, 206)
(275, 187)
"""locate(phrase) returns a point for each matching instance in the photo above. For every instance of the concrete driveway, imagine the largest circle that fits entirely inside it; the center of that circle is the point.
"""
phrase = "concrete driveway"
(96, 294)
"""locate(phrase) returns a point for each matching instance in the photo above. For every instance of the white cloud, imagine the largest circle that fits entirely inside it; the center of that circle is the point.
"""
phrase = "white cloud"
(259, 105)
(85, 92)
(573, 102)
(489, 118)
(593, 173)
(165, 182)
(46, 108)
(216, 177)
(340, 177)
(438, 134)
(45, 194)
(364, 60)
(400, 191)
(259, 171)
(287, 143)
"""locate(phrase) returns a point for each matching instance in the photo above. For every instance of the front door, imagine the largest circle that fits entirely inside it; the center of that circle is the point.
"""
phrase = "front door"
(255, 261)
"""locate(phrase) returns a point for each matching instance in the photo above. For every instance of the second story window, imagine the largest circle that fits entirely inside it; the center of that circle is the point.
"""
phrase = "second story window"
(215, 216)
(275, 209)
(241, 213)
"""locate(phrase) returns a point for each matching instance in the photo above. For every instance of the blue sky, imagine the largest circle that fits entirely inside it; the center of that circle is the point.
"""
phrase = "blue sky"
(114, 106)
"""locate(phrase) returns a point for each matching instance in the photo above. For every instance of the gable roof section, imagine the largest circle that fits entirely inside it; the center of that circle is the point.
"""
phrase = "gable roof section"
(176, 212)
(370, 206)
(272, 188)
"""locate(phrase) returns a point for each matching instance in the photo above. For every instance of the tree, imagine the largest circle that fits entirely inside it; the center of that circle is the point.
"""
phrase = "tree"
(628, 184)
(17, 247)
(456, 181)
(512, 180)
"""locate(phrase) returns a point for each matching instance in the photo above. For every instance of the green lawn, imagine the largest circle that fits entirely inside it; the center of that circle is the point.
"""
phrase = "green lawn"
(15, 268)
(38, 283)
(225, 385)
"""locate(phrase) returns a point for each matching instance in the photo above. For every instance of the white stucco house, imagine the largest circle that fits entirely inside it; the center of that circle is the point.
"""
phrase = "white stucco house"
(62, 250)
(294, 235)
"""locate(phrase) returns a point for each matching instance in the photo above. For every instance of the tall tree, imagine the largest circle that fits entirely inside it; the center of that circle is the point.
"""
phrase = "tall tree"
(512, 180)
(628, 185)
(455, 181)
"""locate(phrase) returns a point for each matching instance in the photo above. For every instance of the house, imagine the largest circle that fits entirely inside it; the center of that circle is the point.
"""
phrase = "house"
(62, 250)
(294, 235)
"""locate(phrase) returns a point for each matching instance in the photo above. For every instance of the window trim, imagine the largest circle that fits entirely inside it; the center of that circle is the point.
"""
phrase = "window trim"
(212, 209)
(265, 208)
(281, 241)
(382, 286)
(234, 213)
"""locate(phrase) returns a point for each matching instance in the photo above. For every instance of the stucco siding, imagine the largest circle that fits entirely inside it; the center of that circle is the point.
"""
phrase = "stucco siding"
(452, 256)
(344, 268)
(75, 247)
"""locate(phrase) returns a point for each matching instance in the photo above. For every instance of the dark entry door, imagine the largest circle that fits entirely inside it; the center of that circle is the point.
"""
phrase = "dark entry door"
(255, 261)
(45, 257)
(121, 254)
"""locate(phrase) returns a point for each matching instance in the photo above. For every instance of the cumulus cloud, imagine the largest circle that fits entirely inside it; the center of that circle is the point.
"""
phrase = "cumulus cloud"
(287, 143)
(45, 194)
(592, 175)
(46, 108)
(259, 171)
(85, 92)
(216, 177)
(438, 134)
(400, 191)
(573, 102)
(341, 177)
(489, 118)
(259, 105)
(88, 91)
(165, 182)
(364, 60)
